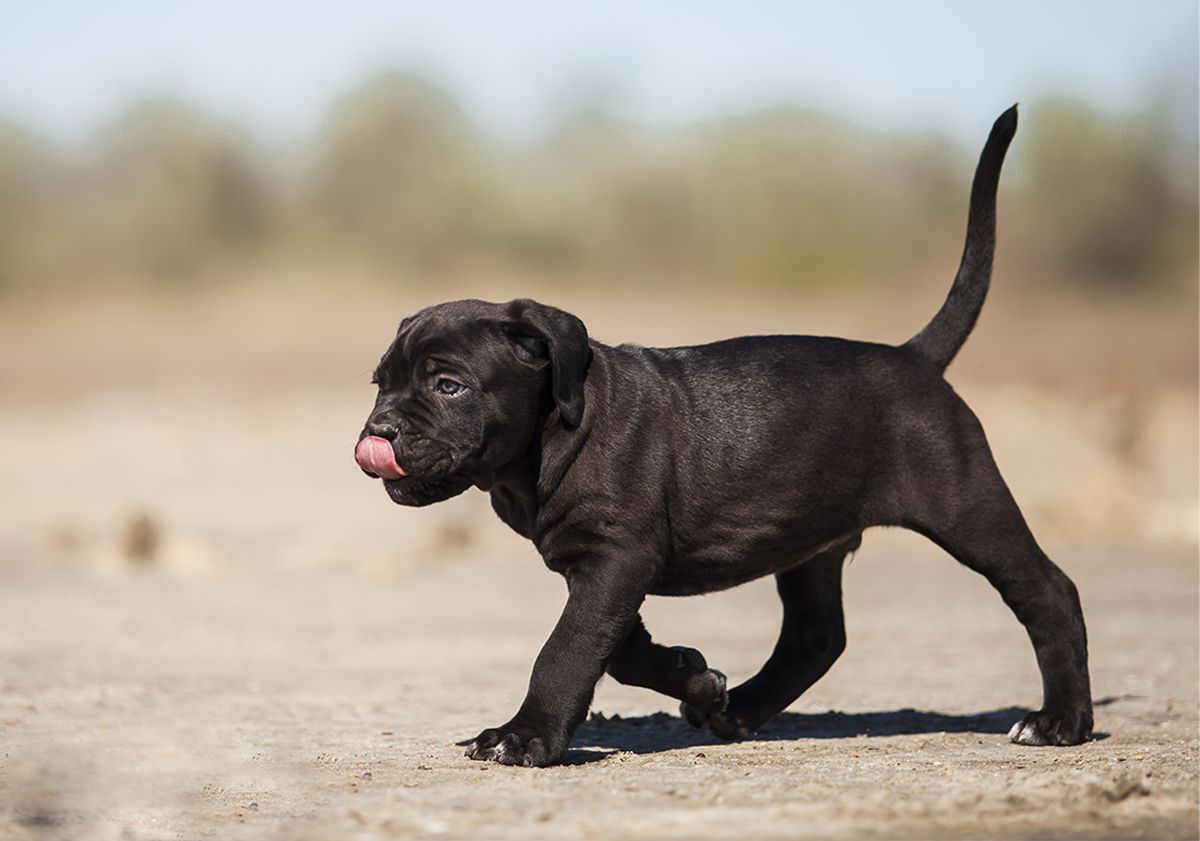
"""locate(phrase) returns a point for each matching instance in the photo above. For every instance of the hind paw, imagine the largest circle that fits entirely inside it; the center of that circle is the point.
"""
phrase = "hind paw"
(1048, 728)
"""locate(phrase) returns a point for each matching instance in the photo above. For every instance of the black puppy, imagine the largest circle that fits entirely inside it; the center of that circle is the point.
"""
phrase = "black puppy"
(679, 471)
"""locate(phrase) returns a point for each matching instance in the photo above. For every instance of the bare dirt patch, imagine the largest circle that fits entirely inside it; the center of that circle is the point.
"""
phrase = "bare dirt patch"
(212, 625)
(155, 706)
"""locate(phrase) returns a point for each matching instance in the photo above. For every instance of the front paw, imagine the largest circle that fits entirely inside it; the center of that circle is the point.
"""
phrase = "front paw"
(1048, 728)
(512, 744)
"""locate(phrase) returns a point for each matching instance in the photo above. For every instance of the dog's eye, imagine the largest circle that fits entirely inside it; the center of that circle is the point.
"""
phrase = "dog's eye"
(449, 387)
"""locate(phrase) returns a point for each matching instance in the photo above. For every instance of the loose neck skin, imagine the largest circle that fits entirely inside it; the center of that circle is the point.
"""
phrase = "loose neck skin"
(526, 486)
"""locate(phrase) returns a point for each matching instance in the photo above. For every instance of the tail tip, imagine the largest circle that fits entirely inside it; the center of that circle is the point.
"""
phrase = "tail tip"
(1007, 122)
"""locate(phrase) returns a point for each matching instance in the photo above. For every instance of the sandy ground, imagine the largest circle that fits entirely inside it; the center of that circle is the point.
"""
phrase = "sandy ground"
(212, 626)
(329, 706)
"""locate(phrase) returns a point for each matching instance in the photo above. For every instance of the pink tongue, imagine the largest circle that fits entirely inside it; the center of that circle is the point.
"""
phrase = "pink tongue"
(375, 455)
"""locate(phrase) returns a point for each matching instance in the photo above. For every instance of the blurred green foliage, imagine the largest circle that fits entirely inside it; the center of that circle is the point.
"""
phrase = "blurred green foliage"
(1115, 200)
(399, 180)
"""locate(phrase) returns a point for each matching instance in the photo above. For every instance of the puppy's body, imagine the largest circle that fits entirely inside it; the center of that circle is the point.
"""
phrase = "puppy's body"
(680, 471)
(740, 458)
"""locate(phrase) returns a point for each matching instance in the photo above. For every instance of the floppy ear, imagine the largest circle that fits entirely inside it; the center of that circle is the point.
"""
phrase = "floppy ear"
(539, 331)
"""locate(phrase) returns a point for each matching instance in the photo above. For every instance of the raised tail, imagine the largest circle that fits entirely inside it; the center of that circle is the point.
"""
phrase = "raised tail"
(941, 338)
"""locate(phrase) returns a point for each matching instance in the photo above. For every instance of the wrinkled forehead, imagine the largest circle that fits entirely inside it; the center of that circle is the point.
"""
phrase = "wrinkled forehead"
(460, 329)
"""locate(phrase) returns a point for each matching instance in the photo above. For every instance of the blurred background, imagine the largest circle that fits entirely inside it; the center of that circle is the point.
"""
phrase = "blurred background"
(213, 216)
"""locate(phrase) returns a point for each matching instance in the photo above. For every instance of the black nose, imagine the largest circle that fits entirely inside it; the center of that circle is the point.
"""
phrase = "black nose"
(383, 429)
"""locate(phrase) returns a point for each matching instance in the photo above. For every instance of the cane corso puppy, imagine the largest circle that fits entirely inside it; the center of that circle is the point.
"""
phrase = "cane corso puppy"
(644, 471)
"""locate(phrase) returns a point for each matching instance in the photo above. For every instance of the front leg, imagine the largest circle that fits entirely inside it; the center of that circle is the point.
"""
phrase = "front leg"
(602, 605)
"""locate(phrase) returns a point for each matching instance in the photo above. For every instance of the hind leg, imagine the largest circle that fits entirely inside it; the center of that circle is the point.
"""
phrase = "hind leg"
(979, 523)
(677, 672)
(813, 636)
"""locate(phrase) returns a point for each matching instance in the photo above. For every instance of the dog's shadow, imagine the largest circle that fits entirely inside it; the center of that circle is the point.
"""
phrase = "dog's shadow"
(663, 732)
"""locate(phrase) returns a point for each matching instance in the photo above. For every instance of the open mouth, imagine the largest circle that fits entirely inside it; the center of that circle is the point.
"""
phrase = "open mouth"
(377, 458)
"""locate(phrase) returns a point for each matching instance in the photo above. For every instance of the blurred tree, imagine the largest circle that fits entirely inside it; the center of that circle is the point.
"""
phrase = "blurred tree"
(171, 188)
(588, 164)
(1102, 201)
(400, 173)
(798, 198)
(788, 198)
(25, 172)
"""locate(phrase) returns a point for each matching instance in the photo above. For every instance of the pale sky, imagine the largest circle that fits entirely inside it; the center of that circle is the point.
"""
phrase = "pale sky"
(516, 67)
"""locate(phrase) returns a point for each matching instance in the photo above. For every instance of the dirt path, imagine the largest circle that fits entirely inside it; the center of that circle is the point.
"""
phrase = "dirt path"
(156, 705)
(271, 649)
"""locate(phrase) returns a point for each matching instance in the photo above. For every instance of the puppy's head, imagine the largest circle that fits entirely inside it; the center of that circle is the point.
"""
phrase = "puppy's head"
(462, 390)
